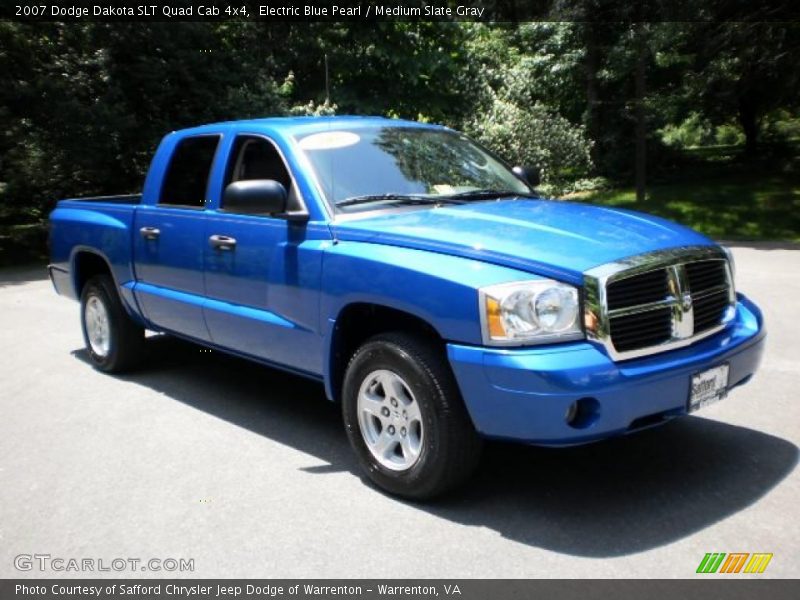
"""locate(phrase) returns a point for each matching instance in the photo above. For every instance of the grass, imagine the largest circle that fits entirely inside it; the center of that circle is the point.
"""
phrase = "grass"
(737, 203)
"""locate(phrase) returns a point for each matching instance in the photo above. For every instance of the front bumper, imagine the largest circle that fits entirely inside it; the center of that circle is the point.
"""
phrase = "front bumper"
(525, 394)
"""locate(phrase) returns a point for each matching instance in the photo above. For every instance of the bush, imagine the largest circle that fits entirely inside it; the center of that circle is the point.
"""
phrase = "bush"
(697, 131)
(783, 126)
(313, 109)
(693, 131)
(729, 135)
(535, 136)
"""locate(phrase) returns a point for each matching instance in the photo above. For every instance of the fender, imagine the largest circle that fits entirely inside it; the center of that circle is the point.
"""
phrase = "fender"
(439, 289)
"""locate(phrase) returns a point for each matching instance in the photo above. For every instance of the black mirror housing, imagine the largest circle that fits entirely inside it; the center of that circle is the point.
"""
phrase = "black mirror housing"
(255, 197)
(529, 175)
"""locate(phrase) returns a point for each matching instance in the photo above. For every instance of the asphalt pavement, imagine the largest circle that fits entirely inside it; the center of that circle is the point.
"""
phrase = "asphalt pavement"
(247, 471)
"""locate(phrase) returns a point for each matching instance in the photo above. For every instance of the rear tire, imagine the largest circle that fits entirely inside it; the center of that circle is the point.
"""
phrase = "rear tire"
(405, 417)
(115, 343)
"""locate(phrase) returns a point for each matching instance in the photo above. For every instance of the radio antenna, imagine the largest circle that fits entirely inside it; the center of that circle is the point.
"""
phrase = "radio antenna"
(327, 82)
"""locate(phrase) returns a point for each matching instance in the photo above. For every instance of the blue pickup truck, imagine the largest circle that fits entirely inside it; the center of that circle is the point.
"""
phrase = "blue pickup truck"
(439, 299)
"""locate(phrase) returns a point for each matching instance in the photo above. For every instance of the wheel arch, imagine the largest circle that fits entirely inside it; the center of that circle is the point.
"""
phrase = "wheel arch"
(85, 264)
(358, 321)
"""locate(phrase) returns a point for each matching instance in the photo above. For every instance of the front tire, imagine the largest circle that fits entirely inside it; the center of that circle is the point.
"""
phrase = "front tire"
(114, 342)
(405, 417)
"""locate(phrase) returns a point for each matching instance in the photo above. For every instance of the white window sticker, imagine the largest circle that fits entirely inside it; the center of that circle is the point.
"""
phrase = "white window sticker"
(329, 140)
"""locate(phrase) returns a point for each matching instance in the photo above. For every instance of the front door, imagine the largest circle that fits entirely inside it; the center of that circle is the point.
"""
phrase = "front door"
(263, 272)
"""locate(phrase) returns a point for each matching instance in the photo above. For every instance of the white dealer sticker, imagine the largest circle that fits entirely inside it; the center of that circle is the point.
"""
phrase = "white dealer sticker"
(329, 140)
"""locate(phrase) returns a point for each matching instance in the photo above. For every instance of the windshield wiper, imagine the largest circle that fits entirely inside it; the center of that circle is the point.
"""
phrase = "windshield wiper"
(490, 194)
(395, 198)
(457, 198)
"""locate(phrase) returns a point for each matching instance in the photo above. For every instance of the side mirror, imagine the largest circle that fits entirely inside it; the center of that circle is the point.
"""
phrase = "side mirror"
(529, 175)
(255, 197)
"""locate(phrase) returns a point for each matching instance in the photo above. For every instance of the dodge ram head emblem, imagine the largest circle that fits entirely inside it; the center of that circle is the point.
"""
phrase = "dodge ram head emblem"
(682, 311)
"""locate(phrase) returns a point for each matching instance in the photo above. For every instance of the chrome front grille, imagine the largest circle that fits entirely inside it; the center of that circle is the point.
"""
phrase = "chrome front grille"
(639, 330)
(710, 289)
(658, 301)
(640, 289)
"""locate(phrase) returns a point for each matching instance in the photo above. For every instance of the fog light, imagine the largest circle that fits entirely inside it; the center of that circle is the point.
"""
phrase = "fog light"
(582, 413)
(572, 412)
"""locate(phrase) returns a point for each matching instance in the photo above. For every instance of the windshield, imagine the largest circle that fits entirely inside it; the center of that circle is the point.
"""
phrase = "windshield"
(360, 166)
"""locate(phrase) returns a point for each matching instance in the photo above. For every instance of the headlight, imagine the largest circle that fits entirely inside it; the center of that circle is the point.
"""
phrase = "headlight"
(731, 262)
(529, 312)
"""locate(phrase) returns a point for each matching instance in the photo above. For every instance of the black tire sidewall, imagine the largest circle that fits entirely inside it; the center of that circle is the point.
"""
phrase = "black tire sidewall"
(425, 473)
(98, 287)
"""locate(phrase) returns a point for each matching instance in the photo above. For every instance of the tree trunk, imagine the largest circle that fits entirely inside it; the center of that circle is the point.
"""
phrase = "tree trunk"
(591, 67)
(748, 119)
(641, 125)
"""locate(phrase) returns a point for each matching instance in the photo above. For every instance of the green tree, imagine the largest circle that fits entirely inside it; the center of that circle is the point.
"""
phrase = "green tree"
(745, 70)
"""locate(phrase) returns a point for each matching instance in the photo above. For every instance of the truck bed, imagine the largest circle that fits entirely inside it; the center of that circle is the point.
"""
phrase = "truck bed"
(121, 199)
(100, 224)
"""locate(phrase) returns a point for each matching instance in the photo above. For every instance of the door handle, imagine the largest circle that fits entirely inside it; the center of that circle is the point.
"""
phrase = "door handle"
(222, 242)
(150, 233)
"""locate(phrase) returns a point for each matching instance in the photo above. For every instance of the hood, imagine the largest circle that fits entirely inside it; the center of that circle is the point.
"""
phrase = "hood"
(547, 237)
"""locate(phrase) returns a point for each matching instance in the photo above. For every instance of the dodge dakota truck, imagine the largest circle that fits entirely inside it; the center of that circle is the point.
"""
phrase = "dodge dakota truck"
(425, 283)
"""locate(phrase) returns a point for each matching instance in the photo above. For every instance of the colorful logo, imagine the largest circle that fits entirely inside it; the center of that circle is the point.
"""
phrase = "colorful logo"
(734, 562)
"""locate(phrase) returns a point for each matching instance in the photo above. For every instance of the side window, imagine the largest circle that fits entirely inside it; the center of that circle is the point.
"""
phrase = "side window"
(187, 175)
(256, 158)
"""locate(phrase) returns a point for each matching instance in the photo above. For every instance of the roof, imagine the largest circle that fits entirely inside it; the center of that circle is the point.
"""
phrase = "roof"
(292, 126)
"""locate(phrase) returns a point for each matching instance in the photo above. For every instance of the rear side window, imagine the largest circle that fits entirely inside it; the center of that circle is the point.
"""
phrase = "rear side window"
(187, 175)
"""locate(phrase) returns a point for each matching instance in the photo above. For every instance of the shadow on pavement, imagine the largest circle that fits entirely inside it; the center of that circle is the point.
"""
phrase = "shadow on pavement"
(762, 245)
(627, 494)
(20, 275)
(612, 498)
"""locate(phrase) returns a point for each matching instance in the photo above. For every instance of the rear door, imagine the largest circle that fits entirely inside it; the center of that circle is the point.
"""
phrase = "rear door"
(169, 242)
